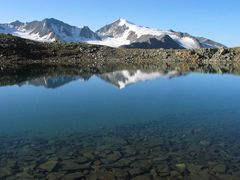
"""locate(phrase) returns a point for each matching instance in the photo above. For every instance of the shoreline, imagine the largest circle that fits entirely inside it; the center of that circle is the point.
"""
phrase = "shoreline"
(17, 53)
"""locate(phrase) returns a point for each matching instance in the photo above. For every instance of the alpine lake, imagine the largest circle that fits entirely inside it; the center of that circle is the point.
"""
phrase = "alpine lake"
(130, 123)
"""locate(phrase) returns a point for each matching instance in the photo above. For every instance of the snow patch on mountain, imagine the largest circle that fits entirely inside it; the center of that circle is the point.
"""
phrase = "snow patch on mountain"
(111, 42)
(186, 42)
(138, 30)
(26, 34)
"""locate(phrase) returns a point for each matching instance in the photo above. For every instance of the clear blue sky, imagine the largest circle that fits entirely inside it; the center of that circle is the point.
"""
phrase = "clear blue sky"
(215, 19)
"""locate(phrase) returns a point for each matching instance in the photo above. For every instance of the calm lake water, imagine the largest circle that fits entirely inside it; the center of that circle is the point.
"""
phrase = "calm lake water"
(121, 125)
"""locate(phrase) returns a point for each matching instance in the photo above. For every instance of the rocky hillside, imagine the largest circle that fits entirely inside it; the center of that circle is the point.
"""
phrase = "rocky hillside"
(15, 51)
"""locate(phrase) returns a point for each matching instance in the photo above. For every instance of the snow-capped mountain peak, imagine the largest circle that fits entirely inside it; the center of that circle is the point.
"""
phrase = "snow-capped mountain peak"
(125, 29)
(122, 21)
(124, 33)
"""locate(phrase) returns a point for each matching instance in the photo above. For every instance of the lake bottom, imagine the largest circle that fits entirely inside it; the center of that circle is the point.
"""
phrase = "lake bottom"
(172, 148)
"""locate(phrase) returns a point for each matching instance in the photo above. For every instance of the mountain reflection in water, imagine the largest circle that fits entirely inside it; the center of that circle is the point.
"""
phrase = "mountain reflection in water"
(120, 79)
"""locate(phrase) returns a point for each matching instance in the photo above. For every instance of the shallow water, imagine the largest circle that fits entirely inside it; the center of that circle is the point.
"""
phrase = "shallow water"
(121, 125)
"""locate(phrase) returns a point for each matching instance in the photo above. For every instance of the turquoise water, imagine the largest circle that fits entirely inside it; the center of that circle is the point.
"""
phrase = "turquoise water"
(86, 105)
(126, 104)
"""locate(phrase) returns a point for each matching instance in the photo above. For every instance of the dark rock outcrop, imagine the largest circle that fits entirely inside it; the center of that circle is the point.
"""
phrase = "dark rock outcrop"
(154, 42)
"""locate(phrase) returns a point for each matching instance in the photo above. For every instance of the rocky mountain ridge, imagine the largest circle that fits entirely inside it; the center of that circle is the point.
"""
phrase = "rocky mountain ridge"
(49, 30)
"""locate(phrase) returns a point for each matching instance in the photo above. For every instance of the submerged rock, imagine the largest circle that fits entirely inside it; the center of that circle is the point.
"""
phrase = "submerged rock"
(71, 165)
(73, 176)
(82, 160)
(220, 168)
(100, 175)
(124, 162)
(162, 170)
(4, 171)
(181, 167)
(55, 175)
(143, 177)
(120, 173)
(113, 157)
(204, 143)
(137, 171)
(49, 165)
(21, 176)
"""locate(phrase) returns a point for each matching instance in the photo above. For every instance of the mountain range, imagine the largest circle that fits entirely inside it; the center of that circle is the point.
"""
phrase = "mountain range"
(120, 33)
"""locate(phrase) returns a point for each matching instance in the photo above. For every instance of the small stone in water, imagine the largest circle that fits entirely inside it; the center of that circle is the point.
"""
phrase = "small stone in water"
(181, 167)
(55, 175)
(74, 176)
(113, 157)
(204, 143)
(48, 166)
(143, 177)
(136, 171)
(220, 168)
(120, 173)
(70, 165)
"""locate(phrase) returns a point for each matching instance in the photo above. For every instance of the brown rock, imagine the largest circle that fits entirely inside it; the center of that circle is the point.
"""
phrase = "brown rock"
(120, 173)
(49, 165)
(74, 176)
(82, 160)
(55, 175)
(143, 177)
(162, 170)
(89, 155)
(137, 171)
(101, 175)
(113, 157)
(21, 176)
(220, 168)
(174, 174)
(70, 165)
(143, 164)
(181, 167)
(124, 162)
(115, 140)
